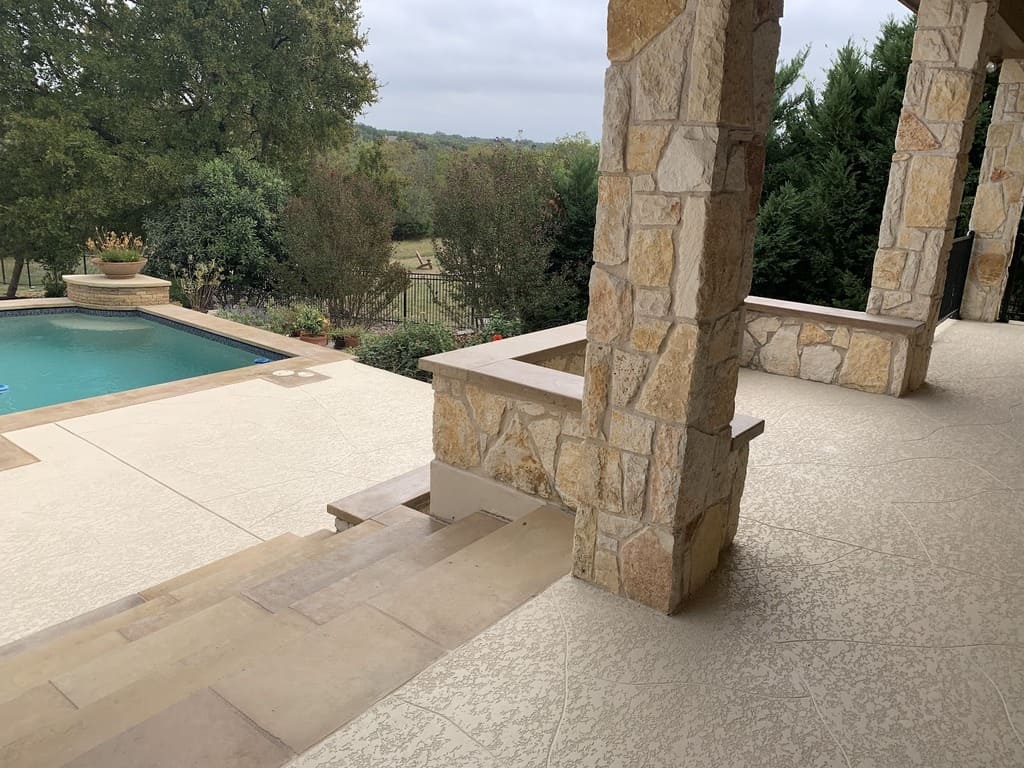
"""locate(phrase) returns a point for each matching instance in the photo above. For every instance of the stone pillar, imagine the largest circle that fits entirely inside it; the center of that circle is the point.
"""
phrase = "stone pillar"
(940, 107)
(688, 99)
(997, 207)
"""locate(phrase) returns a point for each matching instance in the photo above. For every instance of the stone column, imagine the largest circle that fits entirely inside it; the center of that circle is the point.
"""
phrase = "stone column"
(997, 207)
(940, 107)
(688, 99)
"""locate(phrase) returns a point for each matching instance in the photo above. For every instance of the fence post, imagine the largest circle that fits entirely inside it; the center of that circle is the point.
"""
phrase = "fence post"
(28, 268)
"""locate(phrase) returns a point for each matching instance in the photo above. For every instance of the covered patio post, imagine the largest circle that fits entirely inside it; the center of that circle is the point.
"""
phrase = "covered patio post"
(940, 107)
(688, 99)
(995, 218)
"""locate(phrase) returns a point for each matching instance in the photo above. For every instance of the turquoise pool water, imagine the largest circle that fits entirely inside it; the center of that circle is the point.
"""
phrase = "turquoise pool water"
(48, 358)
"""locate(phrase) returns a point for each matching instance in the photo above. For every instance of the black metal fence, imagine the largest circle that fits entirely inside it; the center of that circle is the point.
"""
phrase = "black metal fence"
(7, 270)
(430, 298)
(1013, 298)
(956, 276)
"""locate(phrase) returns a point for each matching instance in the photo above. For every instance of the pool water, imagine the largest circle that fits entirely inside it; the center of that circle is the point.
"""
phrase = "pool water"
(48, 358)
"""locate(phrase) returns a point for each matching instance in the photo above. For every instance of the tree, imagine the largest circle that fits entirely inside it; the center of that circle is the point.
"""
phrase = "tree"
(228, 216)
(828, 166)
(496, 225)
(338, 238)
(162, 86)
(575, 160)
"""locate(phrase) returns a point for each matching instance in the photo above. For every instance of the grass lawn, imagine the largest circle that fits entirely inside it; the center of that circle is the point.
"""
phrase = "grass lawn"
(405, 254)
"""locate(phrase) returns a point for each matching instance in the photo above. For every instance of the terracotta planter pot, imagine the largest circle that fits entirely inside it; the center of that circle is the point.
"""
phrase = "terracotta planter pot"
(119, 270)
(320, 341)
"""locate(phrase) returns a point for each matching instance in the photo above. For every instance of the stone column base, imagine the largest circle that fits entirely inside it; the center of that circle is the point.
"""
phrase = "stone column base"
(101, 292)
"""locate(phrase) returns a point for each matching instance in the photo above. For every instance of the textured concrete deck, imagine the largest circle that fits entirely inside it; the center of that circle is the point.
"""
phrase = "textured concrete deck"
(870, 614)
(123, 499)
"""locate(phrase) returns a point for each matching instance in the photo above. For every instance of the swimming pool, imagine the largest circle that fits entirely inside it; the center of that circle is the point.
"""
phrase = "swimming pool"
(59, 355)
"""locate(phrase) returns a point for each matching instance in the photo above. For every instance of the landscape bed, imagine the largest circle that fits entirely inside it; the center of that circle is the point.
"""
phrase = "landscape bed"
(58, 355)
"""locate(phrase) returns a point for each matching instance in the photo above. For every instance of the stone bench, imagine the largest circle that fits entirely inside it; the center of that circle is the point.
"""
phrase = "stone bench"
(831, 346)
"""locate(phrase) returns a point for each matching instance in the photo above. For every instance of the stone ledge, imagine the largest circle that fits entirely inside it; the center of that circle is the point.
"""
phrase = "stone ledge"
(848, 317)
(409, 490)
(15, 304)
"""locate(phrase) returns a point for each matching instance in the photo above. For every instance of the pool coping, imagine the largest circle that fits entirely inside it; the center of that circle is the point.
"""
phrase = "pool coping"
(298, 355)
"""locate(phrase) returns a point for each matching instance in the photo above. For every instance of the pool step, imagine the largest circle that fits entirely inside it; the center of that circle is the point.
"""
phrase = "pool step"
(222, 679)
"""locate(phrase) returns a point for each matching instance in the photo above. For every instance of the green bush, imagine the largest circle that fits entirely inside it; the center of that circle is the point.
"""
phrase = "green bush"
(401, 350)
(276, 318)
(500, 325)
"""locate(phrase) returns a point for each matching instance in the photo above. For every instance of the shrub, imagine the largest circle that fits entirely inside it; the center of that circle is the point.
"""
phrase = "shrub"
(309, 320)
(276, 318)
(401, 350)
(500, 325)
(339, 246)
(228, 216)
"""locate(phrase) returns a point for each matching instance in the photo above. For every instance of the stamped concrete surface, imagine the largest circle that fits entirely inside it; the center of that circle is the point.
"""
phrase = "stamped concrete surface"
(871, 612)
(120, 500)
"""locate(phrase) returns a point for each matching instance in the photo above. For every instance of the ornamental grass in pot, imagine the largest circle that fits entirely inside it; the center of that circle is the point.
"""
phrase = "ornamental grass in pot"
(119, 256)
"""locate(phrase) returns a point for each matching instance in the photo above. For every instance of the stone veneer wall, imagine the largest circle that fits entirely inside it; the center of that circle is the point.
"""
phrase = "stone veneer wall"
(567, 359)
(92, 297)
(531, 446)
(830, 353)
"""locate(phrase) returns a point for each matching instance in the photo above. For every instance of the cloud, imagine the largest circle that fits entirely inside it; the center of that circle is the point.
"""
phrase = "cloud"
(496, 67)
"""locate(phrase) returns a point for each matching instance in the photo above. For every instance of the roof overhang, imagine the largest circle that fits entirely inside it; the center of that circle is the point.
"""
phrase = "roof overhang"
(1009, 29)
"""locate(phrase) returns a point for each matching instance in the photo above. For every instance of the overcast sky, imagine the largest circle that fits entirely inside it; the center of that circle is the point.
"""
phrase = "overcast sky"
(497, 67)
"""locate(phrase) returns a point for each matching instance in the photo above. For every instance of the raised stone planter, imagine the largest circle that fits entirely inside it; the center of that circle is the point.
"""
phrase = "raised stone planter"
(101, 292)
(508, 435)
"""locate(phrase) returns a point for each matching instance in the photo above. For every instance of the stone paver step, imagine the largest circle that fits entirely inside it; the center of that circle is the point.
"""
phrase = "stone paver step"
(66, 736)
(334, 599)
(307, 690)
(246, 558)
(216, 677)
(280, 592)
(458, 598)
(194, 636)
(195, 596)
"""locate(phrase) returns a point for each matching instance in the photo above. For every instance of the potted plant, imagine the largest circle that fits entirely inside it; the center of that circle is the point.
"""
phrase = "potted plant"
(310, 324)
(348, 336)
(117, 255)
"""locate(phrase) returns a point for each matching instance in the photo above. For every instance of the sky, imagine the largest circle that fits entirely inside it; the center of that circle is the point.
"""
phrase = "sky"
(500, 67)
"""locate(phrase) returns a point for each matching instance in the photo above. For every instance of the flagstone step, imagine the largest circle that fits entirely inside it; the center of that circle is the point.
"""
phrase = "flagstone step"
(280, 592)
(241, 560)
(71, 734)
(333, 600)
(409, 490)
(202, 593)
(248, 662)
(456, 599)
(313, 686)
(173, 600)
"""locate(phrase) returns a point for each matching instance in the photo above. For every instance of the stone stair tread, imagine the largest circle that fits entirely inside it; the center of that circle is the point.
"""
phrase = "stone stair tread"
(256, 553)
(411, 489)
(200, 594)
(51, 633)
(71, 734)
(310, 687)
(36, 666)
(323, 533)
(194, 636)
(26, 712)
(344, 594)
(457, 598)
(202, 730)
(278, 593)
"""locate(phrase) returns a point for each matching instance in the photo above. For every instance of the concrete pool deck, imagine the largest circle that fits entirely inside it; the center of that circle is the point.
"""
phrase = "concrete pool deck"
(124, 498)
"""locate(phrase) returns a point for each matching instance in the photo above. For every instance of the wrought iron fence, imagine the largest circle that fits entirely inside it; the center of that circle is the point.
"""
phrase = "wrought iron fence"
(430, 298)
(956, 276)
(7, 269)
(1013, 298)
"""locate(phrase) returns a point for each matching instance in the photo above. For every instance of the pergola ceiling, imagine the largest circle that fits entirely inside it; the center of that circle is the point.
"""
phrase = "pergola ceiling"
(1009, 28)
